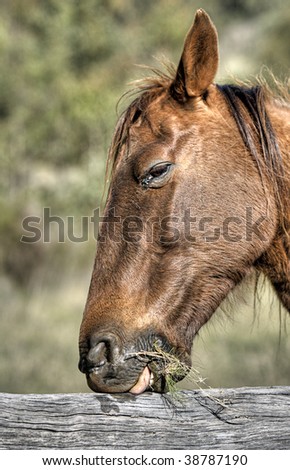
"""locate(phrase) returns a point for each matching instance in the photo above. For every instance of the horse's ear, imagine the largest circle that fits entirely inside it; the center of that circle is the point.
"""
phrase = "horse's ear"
(199, 61)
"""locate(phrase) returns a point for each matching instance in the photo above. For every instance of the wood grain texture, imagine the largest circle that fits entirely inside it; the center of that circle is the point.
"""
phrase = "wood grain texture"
(244, 418)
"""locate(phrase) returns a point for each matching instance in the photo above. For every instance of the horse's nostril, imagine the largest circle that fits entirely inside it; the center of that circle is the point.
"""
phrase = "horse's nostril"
(97, 356)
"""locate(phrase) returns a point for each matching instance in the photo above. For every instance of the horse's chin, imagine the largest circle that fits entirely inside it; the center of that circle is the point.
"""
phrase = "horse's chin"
(99, 386)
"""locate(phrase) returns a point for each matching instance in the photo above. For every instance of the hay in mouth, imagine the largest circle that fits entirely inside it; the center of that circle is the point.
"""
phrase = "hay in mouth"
(162, 371)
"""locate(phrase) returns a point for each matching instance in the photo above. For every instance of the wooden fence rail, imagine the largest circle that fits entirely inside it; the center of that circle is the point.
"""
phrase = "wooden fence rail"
(244, 418)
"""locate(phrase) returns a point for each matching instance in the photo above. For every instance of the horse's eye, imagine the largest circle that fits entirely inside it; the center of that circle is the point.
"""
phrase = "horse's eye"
(157, 176)
(159, 170)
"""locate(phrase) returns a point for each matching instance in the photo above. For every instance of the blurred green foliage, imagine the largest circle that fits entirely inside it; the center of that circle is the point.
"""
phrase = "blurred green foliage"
(64, 65)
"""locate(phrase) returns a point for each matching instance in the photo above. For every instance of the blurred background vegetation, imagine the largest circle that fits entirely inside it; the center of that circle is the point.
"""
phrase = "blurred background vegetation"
(64, 65)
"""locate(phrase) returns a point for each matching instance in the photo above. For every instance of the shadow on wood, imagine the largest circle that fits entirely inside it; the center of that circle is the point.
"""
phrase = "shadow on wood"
(245, 418)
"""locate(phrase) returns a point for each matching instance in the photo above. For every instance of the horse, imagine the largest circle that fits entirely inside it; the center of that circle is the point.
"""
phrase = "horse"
(198, 199)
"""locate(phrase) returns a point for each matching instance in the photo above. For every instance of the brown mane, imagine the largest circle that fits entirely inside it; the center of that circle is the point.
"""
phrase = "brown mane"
(147, 90)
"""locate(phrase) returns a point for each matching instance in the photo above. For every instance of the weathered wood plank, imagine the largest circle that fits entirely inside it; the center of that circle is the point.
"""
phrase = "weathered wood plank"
(245, 418)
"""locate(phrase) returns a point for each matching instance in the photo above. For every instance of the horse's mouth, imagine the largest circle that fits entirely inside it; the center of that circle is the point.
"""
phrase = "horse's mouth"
(155, 380)
(145, 381)
(149, 379)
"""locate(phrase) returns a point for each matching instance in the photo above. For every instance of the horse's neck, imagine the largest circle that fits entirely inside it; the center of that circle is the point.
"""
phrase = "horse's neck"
(275, 262)
(280, 118)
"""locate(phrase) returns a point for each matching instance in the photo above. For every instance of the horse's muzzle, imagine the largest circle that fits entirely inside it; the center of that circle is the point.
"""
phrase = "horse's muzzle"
(108, 369)
(111, 368)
